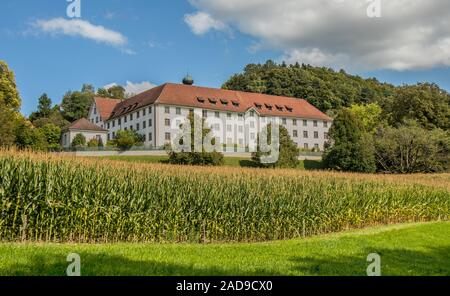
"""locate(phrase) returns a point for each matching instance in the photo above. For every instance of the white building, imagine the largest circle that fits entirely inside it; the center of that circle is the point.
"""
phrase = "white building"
(86, 128)
(235, 117)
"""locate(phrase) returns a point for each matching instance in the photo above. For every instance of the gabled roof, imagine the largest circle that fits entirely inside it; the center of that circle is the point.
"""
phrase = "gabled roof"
(225, 100)
(85, 125)
(105, 106)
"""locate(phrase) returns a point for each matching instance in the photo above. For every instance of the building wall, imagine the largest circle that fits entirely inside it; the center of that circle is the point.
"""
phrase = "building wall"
(229, 127)
(68, 136)
(94, 116)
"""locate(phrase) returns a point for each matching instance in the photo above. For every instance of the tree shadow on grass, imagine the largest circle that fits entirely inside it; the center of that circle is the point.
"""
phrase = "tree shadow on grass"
(398, 262)
(114, 265)
(313, 165)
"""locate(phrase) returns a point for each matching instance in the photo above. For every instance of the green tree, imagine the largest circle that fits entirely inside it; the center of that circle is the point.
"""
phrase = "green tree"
(369, 115)
(193, 157)
(9, 96)
(52, 135)
(79, 141)
(44, 108)
(7, 126)
(288, 150)
(114, 92)
(75, 105)
(93, 143)
(126, 139)
(29, 137)
(412, 149)
(350, 148)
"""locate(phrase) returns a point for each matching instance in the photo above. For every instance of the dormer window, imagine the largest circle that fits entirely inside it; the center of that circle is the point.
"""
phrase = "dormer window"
(212, 101)
(289, 108)
(235, 103)
(279, 108)
(268, 106)
(201, 100)
(258, 105)
(224, 102)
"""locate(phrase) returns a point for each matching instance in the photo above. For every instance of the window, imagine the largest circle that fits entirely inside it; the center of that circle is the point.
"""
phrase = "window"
(167, 110)
(114, 135)
(241, 129)
(96, 120)
(252, 124)
(167, 136)
(263, 119)
(150, 110)
(252, 113)
(228, 115)
(131, 127)
(137, 126)
(143, 112)
(316, 146)
(125, 128)
(252, 136)
(240, 117)
(305, 134)
(149, 123)
(217, 114)
(167, 122)
(306, 146)
(305, 122)
(95, 110)
(145, 138)
(114, 123)
(144, 124)
(131, 116)
(315, 123)
(229, 128)
(316, 135)
(108, 125)
(109, 137)
(216, 126)
(325, 124)
(205, 113)
(150, 137)
(125, 119)
(178, 111)
(119, 121)
(138, 114)
(294, 122)
(295, 134)
(284, 121)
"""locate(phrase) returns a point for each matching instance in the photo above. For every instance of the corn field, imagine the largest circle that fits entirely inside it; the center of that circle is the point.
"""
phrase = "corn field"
(62, 199)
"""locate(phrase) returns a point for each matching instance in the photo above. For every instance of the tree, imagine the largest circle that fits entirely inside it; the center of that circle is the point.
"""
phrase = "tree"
(425, 103)
(75, 105)
(126, 139)
(369, 115)
(114, 92)
(288, 150)
(412, 149)
(7, 125)
(44, 108)
(52, 135)
(192, 157)
(350, 148)
(55, 117)
(29, 137)
(9, 96)
(79, 141)
(93, 143)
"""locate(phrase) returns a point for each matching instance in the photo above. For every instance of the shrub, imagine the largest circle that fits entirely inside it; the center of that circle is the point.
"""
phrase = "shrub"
(127, 139)
(288, 150)
(351, 148)
(93, 143)
(79, 141)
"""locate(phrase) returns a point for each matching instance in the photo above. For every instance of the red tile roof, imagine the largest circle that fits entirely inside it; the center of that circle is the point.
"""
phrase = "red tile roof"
(220, 99)
(85, 125)
(105, 106)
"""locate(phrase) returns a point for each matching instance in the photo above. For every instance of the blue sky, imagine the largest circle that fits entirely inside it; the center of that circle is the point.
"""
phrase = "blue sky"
(151, 41)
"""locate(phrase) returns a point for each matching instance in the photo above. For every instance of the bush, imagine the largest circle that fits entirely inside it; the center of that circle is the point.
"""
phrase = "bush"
(350, 148)
(79, 141)
(412, 149)
(127, 139)
(93, 143)
(288, 150)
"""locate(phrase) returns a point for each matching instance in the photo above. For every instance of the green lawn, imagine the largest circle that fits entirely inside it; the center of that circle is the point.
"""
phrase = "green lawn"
(229, 161)
(412, 249)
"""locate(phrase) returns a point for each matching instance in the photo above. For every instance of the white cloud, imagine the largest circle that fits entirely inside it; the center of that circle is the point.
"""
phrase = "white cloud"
(84, 29)
(134, 88)
(411, 34)
(201, 23)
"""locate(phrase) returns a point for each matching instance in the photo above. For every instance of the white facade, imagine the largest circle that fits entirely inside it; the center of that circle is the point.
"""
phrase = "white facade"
(94, 115)
(160, 125)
